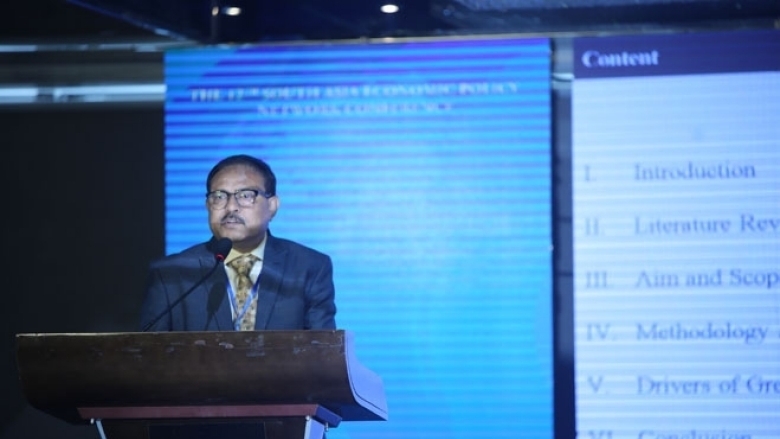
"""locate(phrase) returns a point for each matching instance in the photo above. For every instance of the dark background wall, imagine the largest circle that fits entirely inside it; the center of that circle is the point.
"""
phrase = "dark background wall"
(83, 218)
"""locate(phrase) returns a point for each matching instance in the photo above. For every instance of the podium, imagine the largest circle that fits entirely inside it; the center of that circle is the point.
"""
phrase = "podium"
(291, 384)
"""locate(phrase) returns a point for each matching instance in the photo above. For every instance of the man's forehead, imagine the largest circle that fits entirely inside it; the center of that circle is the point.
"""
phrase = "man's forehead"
(237, 174)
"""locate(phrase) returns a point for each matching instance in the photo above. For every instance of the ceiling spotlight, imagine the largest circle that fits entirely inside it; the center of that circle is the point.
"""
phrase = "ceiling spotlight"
(214, 11)
(231, 11)
(389, 8)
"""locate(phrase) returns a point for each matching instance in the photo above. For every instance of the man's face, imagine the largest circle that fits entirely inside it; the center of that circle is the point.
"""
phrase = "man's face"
(244, 225)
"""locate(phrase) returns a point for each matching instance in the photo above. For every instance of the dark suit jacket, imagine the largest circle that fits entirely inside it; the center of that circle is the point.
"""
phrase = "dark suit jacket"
(296, 290)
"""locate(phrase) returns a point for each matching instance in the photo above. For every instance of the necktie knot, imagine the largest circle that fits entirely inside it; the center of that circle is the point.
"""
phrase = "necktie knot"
(243, 264)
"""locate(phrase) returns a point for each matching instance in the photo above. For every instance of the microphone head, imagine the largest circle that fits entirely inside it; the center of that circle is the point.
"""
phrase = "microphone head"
(222, 248)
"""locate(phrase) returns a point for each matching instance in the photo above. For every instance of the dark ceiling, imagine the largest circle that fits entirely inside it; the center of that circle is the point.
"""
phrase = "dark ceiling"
(264, 20)
(260, 20)
(53, 43)
(54, 20)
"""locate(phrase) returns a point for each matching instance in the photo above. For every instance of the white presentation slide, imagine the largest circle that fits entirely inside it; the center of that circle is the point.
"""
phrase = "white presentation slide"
(676, 199)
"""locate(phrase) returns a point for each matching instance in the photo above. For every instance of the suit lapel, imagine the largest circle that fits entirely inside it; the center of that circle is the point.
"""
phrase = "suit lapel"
(270, 280)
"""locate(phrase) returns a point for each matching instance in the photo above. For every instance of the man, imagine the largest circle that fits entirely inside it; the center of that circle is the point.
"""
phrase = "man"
(284, 285)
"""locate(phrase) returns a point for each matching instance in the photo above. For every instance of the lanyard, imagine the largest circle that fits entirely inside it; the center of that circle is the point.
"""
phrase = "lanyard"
(233, 301)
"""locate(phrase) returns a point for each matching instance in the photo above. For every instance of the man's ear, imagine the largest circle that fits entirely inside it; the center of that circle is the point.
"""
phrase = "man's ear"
(273, 205)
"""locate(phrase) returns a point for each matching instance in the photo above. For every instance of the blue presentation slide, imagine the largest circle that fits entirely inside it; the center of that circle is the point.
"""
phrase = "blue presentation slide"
(676, 200)
(423, 169)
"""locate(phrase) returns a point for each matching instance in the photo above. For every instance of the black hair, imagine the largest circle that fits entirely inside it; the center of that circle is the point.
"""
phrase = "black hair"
(247, 160)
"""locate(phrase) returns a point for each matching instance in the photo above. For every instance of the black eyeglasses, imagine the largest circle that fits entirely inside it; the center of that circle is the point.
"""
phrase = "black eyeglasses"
(244, 198)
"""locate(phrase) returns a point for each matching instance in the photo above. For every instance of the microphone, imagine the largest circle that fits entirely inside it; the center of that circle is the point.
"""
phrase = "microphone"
(221, 249)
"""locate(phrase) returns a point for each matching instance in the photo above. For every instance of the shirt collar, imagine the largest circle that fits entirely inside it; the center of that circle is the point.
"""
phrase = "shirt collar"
(259, 251)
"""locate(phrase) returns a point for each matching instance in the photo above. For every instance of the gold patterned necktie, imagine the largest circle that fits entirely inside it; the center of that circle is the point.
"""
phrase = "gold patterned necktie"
(243, 265)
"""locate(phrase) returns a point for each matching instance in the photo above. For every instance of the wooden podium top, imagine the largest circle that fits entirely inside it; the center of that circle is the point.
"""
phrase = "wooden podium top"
(64, 374)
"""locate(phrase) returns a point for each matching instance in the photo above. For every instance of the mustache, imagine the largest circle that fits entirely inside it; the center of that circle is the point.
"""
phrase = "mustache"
(232, 217)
